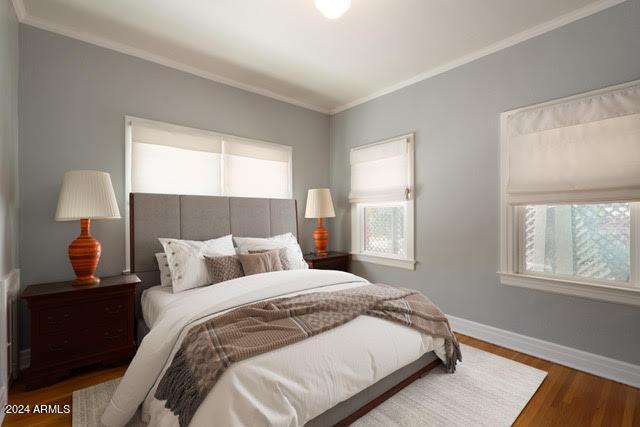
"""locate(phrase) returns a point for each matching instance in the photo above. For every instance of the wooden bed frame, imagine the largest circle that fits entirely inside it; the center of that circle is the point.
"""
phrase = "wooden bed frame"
(388, 394)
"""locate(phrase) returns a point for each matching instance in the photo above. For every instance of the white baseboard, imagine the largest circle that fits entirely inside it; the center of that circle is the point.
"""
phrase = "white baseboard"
(616, 370)
(25, 359)
(4, 399)
(13, 318)
(9, 290)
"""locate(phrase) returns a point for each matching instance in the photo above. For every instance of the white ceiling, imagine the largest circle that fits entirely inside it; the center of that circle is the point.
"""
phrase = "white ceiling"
(287, 50)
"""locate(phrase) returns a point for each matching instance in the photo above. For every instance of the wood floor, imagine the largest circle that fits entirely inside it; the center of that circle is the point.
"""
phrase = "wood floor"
(566, 397)
(571, 398)
(59, 394)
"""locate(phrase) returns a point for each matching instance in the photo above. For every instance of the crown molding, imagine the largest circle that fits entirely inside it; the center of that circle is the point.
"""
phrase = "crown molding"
(500, 45)
(25, 18)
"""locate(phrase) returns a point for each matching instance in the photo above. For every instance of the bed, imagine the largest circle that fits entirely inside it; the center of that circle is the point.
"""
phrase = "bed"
(331, 378)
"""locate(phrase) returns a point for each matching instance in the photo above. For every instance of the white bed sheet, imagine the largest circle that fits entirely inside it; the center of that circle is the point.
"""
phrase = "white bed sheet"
(154, 300)
(285, 387)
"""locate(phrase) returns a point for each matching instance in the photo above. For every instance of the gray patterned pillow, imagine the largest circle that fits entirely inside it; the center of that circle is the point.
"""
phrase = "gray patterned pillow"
(282, 254)
(222, 268)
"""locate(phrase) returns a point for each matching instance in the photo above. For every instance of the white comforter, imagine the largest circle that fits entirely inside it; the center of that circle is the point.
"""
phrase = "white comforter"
(285, 387)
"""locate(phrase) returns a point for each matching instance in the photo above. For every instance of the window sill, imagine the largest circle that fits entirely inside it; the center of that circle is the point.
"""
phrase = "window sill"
(407, 264)
(616, 294)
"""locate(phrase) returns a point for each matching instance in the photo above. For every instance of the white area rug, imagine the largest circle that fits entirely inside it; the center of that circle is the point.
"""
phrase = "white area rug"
(89, 404)
(486, 390)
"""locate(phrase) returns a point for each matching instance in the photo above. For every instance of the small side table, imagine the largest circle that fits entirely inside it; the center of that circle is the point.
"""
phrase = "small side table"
(330, 261)
(74, 326)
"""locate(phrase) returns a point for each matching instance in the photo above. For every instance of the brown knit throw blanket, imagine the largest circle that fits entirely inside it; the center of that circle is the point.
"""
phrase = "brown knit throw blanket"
(212, 346)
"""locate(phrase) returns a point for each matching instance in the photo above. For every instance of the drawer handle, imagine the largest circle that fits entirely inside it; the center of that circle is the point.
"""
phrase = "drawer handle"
(110, 310)
(58, 347)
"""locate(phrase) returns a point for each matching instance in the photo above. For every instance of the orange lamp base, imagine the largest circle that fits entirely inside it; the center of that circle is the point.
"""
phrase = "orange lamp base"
(84, 254)
(321, 238)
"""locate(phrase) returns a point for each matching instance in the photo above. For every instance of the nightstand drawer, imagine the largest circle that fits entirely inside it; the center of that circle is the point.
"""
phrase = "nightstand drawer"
(108, 310)
(337, 264)
(58, 319)
(330, 261)
(58, 347)
(107, 337)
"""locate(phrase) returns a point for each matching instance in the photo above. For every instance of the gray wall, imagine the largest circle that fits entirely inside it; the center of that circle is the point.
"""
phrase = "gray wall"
(8, 138)
(73, 99)
(455, 117)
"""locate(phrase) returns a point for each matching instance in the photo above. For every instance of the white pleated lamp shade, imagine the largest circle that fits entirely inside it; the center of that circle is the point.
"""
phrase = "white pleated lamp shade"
(319, 204)
(86, 194)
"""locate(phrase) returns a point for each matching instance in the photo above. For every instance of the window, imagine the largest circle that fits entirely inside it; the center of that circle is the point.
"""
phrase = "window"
(256, 169)
(570, 173)
(382, 202)
(166, 162)
(171, 159)
(165, 158)
(588, 241)
(384, 230)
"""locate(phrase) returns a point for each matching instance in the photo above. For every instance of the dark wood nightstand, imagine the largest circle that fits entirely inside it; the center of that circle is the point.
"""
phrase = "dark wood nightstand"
(74, 326)
(330, 261)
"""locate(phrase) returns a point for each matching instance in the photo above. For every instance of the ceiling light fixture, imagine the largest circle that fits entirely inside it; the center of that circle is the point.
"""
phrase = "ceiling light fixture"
(333, 9)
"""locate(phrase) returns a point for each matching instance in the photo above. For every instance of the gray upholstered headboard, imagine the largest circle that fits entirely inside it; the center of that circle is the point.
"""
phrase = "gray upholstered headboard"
(198, 218)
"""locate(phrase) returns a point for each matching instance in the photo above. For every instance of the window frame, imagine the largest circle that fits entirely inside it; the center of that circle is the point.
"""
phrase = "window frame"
(512, 270)
(128, 147)
(357, 219)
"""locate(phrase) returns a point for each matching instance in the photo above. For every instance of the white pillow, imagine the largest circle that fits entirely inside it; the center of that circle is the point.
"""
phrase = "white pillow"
(186, 260)
(163, 266)
(287, 241)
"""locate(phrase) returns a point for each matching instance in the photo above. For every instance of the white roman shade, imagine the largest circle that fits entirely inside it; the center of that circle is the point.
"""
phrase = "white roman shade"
(256, 168)
(157, 133)
(381, 172)
(583, 149)
(174, 159)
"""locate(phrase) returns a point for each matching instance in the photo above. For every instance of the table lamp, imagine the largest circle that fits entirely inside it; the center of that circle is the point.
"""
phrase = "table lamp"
(86, 195)
(319, 205)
